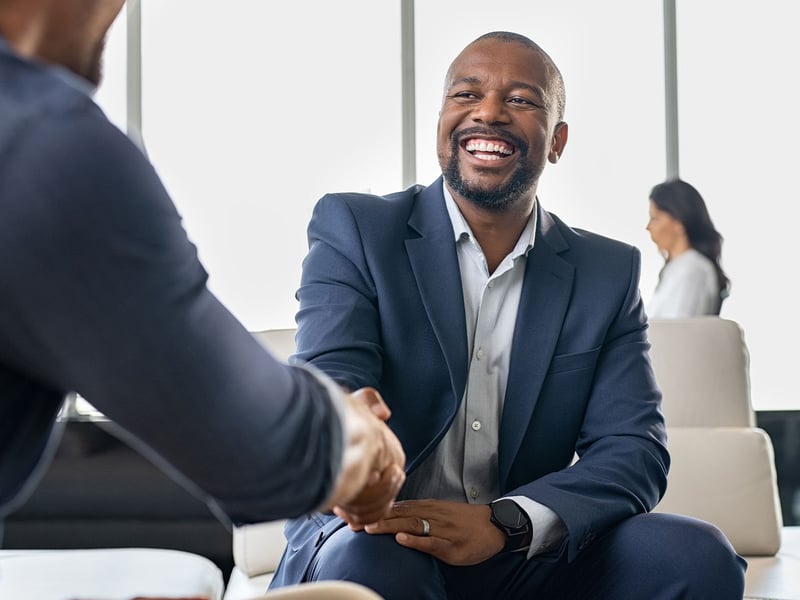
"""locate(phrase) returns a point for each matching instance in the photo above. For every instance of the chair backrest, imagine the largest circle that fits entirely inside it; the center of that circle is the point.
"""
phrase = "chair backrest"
(702, 367)
(723, 467)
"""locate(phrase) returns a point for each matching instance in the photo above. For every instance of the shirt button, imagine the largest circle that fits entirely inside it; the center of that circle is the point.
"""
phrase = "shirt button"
(479, 353)
(473, 493)
(491, 284)
(476, 425)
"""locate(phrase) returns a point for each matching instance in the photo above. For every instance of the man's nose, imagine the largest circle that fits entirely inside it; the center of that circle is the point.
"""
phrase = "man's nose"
(491, 109)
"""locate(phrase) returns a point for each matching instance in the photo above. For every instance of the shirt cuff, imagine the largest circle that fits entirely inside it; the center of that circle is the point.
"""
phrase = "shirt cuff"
(548, 528)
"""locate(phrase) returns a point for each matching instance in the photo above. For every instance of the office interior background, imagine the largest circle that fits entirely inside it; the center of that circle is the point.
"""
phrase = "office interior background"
(251, 113)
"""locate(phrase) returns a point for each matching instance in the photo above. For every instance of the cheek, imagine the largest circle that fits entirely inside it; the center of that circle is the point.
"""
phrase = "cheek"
(657, 233)
(444, 142)
(444, 128)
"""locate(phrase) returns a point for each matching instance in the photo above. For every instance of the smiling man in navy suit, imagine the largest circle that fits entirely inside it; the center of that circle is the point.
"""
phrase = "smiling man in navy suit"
(505, 343)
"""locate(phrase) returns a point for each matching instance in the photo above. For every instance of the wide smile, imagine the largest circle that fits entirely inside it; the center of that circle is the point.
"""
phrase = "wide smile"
(488, 149)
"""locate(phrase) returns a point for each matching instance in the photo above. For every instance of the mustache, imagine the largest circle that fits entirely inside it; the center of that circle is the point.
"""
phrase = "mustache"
(519, 143)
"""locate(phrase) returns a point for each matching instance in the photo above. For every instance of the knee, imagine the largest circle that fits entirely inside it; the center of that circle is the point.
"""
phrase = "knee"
(718, 571)
(379, 563)
(696, 557)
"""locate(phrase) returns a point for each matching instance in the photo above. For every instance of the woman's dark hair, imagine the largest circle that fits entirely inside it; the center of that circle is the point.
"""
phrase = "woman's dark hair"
(684, 203)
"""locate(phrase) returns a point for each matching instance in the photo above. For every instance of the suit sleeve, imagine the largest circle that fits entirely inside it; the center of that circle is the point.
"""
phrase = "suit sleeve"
(338, 320)
(104, 294)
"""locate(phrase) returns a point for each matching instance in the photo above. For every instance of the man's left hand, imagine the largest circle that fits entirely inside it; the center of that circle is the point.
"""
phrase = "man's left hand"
(459, 533)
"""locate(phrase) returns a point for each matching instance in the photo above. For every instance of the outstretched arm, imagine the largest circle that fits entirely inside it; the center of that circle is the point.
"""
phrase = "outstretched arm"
(103, 293)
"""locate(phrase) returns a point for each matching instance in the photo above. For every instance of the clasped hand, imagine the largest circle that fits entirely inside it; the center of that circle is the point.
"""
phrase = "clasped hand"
(373, 469)
(457, 533)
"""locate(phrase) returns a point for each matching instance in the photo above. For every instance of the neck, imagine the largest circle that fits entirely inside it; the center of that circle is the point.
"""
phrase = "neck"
(678, 248)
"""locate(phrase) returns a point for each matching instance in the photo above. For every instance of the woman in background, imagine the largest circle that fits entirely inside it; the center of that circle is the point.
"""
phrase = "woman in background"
(692, 282)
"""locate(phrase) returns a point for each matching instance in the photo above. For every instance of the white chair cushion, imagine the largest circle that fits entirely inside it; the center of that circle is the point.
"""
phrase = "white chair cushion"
(241, 587)
(244, 587)
(107, 574)
(726, 476)
(702, 367)
(257, 548)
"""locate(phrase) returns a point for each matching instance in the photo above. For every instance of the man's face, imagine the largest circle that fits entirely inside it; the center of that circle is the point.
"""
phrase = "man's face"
(496, 127)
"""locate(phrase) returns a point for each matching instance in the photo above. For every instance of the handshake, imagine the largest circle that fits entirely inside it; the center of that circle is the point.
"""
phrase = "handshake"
(373, 462)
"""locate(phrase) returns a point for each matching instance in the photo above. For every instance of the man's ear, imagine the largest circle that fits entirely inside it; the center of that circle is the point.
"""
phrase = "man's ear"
(560, 135)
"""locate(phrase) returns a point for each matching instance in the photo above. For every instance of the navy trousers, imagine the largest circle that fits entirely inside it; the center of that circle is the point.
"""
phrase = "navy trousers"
(647, 557)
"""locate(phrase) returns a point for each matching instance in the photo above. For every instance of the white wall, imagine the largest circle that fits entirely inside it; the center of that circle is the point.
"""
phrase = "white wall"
(252, 112)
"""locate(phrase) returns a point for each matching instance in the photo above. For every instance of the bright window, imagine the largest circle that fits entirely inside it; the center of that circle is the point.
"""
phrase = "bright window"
(253, 112)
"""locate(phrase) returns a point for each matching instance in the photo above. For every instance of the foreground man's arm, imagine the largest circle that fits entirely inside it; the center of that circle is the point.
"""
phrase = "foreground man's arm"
(103, 293)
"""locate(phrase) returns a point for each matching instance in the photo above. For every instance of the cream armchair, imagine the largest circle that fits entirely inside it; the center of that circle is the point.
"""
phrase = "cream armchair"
(723, 468)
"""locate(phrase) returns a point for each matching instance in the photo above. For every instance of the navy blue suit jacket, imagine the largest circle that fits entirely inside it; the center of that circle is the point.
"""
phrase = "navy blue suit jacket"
(381, 305)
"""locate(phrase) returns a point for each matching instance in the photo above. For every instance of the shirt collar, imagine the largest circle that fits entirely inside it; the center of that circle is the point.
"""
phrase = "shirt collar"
(461, 229)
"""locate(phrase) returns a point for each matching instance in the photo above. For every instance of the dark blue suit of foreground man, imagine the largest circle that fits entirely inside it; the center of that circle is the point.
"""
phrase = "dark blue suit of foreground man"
(102, 293)
(505, 343)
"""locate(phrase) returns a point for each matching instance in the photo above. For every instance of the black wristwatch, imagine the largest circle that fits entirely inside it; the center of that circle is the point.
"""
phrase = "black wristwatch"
(509, 518)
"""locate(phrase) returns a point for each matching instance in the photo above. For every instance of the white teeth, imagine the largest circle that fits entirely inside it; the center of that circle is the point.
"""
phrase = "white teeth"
(487, 147)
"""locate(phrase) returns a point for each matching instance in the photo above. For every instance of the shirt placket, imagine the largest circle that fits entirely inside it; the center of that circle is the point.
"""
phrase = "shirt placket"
(482, 404)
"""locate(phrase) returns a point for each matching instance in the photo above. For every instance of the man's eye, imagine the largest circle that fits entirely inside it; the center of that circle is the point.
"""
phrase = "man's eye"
(520, 101)
(464, 96)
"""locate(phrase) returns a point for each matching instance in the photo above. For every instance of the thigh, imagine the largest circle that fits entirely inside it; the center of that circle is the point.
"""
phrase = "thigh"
(510, 576)
(653, 556)
(379, 563)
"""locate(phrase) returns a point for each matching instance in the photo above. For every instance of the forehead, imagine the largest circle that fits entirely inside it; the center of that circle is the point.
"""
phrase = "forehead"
(499, 60)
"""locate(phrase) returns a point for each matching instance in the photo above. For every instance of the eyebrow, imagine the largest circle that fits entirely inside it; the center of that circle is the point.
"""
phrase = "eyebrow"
(472, 80)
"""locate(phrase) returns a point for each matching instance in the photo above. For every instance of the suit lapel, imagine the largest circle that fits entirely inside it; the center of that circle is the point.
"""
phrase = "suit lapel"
(435, 265)
(543, 304)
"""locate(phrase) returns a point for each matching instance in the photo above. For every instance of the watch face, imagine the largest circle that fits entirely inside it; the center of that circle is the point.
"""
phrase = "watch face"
(509, 514)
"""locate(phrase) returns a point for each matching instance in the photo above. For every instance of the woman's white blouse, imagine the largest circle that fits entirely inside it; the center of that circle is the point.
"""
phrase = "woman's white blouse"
(687, 287)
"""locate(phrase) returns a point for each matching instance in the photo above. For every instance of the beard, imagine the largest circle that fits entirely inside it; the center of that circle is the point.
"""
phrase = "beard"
(494, 198)
(94, 66)
(87, 64)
